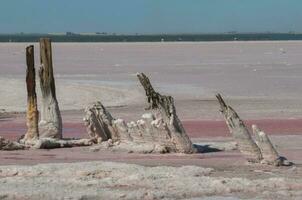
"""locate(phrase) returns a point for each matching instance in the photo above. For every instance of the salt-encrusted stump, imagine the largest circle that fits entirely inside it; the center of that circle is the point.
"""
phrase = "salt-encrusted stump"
(32, 115)
(269, 153)
(53, 143)
(164, 111)
(158, 131)
(51, 122)
(240, 133)
(50, 125)
(99, 123)
(259, 150)
(7, 145)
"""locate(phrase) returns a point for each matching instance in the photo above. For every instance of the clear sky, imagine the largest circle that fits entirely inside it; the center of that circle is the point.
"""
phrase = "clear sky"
(150, 16)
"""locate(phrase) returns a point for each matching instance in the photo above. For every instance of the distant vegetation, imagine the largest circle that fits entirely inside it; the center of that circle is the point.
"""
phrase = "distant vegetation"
(101, 37)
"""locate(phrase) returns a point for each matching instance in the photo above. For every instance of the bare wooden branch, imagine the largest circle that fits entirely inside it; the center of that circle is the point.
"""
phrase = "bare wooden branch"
(32, 115)
(240, 133)
(51, 122)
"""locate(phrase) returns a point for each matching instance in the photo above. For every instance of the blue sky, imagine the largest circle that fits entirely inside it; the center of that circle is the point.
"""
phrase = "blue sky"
(150, 16)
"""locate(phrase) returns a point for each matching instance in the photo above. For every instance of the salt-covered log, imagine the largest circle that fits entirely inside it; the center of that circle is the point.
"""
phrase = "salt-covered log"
(157, 131)
(99, 122)
(269, 153)
(260, 149)
(240, 133)
(32, 115)
(119, 135)
(164, 109)
(7, 145)
(52, 143)
(50, 125)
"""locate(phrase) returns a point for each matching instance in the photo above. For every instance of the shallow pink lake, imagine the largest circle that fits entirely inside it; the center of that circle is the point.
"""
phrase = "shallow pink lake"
(261, 82)
(13, 129)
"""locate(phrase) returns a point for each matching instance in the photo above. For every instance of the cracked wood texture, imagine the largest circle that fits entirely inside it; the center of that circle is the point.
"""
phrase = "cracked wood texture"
(240, 133)
(50, 125)
(163, 107)
(7, 145)
(269, 153)
(158, 131)
(258, 150)
(32, 115)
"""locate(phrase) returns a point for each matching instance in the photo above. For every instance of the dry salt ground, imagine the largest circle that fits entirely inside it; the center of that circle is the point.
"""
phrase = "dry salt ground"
(261, 80)
(107, 180)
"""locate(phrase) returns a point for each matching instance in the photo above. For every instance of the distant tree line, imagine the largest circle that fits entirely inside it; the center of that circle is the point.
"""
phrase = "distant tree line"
(71, 37)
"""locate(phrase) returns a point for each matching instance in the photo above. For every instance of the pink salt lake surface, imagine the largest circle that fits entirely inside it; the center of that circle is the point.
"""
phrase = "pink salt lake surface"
(195, 129)
(261, 80)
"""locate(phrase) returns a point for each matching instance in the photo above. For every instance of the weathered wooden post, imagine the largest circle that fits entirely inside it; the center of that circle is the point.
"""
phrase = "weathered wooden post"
(240, 133)
(51, 122)
(258, 150)
(32, 115)
(159, 131)
(164, 106)
(268, 151)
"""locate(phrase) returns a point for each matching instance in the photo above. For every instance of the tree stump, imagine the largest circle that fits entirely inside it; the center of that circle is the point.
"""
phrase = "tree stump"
(7, 145)
(260, 150)
(159, 131)
(50, 125)
(163, 108)
(240, 133)
(99, 122)
(32, 115)
(269, 153)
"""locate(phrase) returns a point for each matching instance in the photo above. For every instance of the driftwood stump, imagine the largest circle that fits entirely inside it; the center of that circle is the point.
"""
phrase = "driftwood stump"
(269, 153)
(164, 109)
(158, 131)
(259, 150)
(32, 115)
(240, 133)
(50, 125)
(7, 145)
(99, 123)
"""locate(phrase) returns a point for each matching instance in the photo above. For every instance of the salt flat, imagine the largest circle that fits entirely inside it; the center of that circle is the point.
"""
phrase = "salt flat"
(261, 80)
(106, 180)
(256, 73)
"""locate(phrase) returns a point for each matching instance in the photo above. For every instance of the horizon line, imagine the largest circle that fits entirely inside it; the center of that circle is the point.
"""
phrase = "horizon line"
(97, 33)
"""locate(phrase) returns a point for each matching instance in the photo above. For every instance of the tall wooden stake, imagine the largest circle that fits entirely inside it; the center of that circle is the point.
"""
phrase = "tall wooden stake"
(32, 116)
(51, 121)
